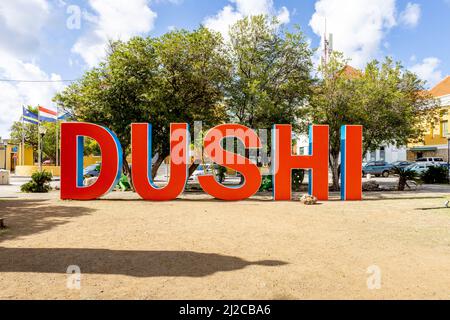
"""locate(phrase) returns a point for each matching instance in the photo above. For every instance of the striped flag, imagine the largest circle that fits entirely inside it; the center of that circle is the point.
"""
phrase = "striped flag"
(47, 114)
(63, 115)
(29, 116)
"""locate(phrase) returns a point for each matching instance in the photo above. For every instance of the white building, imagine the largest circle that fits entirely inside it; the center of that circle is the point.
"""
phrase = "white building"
(386, 153)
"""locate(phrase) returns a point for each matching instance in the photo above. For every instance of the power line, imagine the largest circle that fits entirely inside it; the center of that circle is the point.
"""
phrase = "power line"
(37, 81)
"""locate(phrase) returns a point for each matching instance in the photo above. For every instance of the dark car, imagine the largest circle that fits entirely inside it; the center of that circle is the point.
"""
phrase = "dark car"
(92, 170)
(377, 168)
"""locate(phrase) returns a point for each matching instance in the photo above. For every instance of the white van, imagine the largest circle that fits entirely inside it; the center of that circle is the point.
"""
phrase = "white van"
(431, 160)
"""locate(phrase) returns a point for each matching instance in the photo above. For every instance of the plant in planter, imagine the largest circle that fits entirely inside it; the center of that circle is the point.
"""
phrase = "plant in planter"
(40, 183)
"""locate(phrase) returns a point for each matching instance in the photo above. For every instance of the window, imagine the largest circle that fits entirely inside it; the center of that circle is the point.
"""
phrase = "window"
(382, 154)
(444, 129)
(302, 151)
(373, 156)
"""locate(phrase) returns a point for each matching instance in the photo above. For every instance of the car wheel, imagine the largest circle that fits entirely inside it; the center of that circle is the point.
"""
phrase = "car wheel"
(377, 175)
(386, 174)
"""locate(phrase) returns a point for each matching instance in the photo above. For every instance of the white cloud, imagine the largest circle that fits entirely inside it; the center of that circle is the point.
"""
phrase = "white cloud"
(428, 70)
(238, 9)
(13, 95)
(358, 26)
(411, 15)
(113, 20)
(21, 23)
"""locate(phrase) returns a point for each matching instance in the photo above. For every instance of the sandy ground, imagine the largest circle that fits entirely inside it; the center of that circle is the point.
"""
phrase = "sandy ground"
(199, 248)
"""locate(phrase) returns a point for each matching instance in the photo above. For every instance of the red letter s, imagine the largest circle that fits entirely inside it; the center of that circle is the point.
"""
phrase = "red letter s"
(250, 171)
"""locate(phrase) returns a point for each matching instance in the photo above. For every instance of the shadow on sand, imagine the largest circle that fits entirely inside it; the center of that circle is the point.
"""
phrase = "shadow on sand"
(26, 217)
(119, 262)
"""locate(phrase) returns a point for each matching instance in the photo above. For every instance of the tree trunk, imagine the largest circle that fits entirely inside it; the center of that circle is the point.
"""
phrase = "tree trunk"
(334, 163)
(401, 184)
(192, 168)
(127, 171)
(157, 164)
(247, 155)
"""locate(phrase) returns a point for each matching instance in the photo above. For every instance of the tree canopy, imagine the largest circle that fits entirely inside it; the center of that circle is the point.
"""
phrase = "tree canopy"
(175, 78)
(271, 78)
(261, 76)
(387, 100)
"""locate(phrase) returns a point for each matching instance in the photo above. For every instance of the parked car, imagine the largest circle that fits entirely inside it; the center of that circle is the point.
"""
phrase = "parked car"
(432, 160)
(377, 168)
(200, 171)
(421, 167)
(401, 164)
(92, 170)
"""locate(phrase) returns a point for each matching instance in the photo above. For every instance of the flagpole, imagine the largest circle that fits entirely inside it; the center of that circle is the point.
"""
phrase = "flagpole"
(56, 134)
(22, 158)
(57, 142)
(39, 142)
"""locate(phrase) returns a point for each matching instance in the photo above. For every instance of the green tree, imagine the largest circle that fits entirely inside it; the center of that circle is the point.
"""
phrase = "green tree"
(271, 74)
(175, 78)
(406, 175)
(271, 77)
(386, 99)
(392, 104)
(194, 69)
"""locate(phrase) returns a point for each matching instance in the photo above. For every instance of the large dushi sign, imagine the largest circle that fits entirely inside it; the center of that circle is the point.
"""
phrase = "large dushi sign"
(283, 161)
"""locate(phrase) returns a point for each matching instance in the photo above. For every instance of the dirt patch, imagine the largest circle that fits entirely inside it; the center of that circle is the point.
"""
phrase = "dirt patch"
(199, 248)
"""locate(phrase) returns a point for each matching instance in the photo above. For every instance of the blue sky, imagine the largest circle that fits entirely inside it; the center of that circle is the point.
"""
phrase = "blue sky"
(48, 40)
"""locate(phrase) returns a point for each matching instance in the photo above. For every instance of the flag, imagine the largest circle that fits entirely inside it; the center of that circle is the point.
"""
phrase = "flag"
(47, 115)
(29, 116)
(63, 116)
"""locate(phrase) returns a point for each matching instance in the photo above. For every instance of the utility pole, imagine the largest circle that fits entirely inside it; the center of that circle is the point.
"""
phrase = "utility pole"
(327, 46)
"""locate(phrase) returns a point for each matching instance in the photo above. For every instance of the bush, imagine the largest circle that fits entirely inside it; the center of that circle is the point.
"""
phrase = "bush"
(435, 175)
(297, 179)
(266, 184)
(298, 175)
(405, 175)
(40, 183)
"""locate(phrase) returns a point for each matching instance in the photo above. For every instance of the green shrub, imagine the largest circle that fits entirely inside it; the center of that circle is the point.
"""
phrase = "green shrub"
(40, 183)
(266, 184)
(405, 175)
(297, 179)
(298, 175)
(435, 175)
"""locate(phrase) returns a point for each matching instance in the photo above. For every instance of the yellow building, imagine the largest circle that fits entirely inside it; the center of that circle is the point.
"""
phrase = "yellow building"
(11, 155)
(436, 143)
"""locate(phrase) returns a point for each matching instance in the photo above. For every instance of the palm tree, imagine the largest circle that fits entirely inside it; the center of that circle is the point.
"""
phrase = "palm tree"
(405, 175)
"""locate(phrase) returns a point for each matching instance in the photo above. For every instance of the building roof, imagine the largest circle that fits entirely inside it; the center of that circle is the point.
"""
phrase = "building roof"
(351, 72)
(442, 88)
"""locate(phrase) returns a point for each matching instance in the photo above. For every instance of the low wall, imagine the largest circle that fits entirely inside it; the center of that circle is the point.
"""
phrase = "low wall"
(27, 171)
